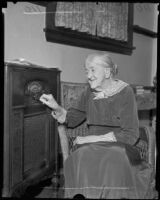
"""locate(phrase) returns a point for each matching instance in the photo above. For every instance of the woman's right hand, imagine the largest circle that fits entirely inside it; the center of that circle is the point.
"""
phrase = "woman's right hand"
(49, 100)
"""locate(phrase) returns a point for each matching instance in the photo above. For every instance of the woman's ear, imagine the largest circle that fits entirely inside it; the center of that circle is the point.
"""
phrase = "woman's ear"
(108, 72)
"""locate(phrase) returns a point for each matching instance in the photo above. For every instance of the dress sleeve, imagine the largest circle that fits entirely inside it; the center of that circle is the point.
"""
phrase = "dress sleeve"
(129, 122)
(77, 115)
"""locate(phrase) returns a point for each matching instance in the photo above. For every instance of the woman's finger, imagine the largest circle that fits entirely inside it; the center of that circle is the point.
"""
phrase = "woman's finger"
(42, 100)
(47, 97)
(54, 115)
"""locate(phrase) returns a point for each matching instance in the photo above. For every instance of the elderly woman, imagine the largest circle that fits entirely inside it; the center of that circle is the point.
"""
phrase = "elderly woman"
(105, 162)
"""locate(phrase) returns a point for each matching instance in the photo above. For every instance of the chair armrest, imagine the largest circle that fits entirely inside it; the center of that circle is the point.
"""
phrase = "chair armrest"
(63, 141)
(148, 134)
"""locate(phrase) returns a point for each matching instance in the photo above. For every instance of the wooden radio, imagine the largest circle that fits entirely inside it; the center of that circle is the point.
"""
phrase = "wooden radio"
(30, 132)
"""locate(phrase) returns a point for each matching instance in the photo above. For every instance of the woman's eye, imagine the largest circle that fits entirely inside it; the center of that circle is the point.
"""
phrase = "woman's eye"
(86, 72)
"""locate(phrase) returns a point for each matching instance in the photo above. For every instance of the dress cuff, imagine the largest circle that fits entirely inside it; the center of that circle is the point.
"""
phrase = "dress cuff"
(60, 115)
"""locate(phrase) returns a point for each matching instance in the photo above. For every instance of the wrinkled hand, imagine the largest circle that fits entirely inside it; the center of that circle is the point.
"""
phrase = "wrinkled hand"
(49, 100)
(110, 137)
(78, 140)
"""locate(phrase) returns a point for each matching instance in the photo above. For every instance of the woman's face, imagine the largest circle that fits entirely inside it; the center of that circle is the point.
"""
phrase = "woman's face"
(96, 74)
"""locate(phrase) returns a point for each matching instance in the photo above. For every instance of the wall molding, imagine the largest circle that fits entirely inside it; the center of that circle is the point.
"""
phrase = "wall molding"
(144, 31)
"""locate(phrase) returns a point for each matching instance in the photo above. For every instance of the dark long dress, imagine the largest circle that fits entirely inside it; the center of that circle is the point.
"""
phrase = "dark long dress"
(106, 169)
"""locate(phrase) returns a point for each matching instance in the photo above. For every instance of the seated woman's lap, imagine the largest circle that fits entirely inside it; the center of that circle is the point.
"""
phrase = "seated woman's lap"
(99, 165)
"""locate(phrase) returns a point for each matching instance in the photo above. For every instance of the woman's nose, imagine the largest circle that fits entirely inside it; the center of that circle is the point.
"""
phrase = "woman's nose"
(89, 75)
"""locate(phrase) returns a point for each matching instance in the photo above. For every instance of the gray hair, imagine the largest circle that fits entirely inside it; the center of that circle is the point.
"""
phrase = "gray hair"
(103, 59)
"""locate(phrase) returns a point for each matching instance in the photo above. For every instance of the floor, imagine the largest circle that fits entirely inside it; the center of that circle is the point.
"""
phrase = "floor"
(45, 189)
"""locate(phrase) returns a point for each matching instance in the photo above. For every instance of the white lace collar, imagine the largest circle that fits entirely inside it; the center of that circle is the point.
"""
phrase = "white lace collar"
(117, 86)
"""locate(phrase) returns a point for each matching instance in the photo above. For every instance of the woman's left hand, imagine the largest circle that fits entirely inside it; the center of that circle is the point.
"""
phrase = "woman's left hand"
(108, 137)
(79, 140)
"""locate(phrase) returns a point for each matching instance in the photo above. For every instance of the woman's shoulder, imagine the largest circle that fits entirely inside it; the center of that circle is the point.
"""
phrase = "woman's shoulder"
(129, 90)
(121, 87)
(126, 93)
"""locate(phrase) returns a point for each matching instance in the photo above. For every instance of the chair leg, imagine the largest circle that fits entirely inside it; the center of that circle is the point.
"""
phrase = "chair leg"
(55, 183)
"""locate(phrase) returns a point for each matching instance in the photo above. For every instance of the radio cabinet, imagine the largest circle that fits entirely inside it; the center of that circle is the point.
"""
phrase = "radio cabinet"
(30, 132)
